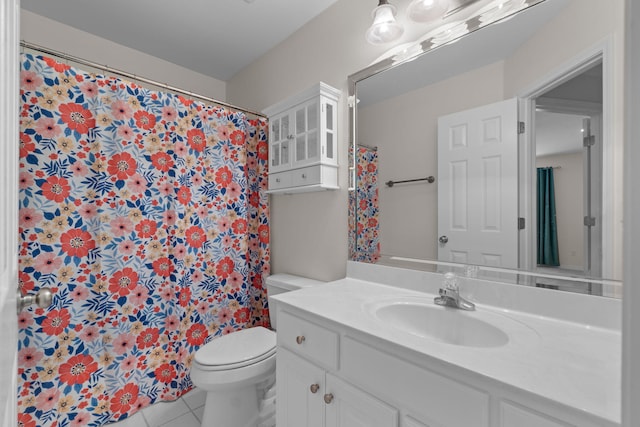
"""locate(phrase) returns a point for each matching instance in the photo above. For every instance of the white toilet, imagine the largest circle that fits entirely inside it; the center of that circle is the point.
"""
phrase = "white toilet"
(238, 370)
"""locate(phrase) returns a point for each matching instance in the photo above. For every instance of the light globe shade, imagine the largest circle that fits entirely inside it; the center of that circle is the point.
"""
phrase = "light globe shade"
(426, 10)
(384, 29)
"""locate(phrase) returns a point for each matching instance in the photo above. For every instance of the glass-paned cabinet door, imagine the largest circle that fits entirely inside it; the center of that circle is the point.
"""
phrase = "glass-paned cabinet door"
(280, 135)
(329, 117)
(307, 145)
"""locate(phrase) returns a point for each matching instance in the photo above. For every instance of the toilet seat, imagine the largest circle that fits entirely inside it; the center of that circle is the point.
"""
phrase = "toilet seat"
(236, 350)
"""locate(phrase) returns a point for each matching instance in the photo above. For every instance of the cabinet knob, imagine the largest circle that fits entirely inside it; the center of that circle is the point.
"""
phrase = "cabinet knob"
(328, 398)
(304, 176)
(277, 179)
(300, 339)
(314, 388)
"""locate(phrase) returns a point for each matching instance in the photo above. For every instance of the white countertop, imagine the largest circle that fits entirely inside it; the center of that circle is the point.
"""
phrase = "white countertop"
(574, 364)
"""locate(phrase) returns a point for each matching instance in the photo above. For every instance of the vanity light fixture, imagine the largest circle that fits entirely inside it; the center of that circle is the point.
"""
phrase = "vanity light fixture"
(427, 10)
(385, 28)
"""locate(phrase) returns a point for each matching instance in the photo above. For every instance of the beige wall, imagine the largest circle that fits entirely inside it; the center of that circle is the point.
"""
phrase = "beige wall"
(309, 231)
(568, 180)
(407, 147)
(63, 38)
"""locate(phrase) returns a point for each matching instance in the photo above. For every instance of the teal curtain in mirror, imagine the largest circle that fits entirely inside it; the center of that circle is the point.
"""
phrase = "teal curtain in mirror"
(547, 225)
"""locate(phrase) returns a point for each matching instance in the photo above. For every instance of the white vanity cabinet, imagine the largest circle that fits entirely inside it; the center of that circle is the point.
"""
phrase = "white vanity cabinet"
(309, 393)
(303, 138)
(331, 375)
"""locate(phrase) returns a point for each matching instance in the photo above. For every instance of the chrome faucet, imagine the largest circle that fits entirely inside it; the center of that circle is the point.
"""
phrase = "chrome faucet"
(450, 294)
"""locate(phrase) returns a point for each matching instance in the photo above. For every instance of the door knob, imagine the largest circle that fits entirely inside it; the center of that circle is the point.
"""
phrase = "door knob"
(42, 299)
(443, 239)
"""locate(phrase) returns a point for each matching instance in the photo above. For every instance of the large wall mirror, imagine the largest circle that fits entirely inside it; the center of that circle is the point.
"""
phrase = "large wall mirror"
(493, 146)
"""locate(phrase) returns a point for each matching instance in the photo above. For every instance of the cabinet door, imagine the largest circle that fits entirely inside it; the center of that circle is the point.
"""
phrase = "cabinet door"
(300, 389)
(347, 406)
(329, 136)
(280, 137)
(307, 142)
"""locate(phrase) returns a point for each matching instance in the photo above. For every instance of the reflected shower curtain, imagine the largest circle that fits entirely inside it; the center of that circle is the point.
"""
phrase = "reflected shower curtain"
(364, 228)
(143, 212)
(547, 226)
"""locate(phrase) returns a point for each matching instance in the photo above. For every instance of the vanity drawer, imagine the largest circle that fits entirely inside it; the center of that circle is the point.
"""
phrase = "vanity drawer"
(279, 180)
(306, 176)
(429, 398)
(308, 340)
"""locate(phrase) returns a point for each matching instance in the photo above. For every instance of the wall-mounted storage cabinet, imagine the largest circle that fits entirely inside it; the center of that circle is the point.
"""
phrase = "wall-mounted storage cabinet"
(303, 137)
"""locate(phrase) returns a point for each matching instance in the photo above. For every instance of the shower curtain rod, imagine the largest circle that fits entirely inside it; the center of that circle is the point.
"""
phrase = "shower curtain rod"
(133, 77)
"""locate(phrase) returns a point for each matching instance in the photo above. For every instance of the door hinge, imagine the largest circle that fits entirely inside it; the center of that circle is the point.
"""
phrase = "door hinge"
(589, 140)
(521, 223)
(589, 221)
(520, 127)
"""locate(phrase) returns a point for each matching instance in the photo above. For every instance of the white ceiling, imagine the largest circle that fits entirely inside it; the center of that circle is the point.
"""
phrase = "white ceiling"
(214, 37)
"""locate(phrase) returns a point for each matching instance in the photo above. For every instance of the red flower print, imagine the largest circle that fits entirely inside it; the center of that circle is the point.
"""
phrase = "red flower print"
(195, 236)
(77, 117)
(47, 263)
(123, 281)
(24, 282)
(25, 420)
(60, 68)
(238, 137)
(263, 234)
(224, 176)
(124, 398)
(123, 343)
(56, 189)
(239, 226)
(184, 297)
(196, 334)
(29, 217)
(77, 369)
(121, 110)
(148, 338)
(162, 161)
(144, 120)
(196, 139)
(56, 322)
(77, 242)
(121, 226)
(184, 195)
(122, 165)
(29, 357)
(242, 315)
(225, 267)
(47, 127)
(26, 145)
(263, 150)
(165, 373)
(146, 228)
(30, 80)
(163, 266)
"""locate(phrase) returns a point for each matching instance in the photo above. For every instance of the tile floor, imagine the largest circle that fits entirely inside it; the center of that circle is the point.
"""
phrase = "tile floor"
(184, 412)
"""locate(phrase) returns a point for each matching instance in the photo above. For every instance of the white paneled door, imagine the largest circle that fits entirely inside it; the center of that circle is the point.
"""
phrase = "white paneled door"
(9, 96)
(478, 185)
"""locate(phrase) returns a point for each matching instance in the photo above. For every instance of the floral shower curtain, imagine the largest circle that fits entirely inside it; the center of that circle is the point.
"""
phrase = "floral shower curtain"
(364, 241)
(143, 211)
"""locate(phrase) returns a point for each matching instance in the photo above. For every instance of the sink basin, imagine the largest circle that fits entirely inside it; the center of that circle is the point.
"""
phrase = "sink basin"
(448, 325)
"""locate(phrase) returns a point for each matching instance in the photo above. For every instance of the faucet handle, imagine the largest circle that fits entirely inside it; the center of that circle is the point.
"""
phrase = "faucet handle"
(450, 282)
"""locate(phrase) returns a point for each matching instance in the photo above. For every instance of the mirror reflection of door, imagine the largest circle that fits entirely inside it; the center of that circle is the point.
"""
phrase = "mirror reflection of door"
(478, 185)
(568, 123)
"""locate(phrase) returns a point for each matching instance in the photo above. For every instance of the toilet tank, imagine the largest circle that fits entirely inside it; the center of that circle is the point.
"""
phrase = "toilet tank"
(279, 283)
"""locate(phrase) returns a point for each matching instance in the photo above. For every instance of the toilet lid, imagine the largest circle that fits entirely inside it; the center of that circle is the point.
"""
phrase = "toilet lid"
(238, 349)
